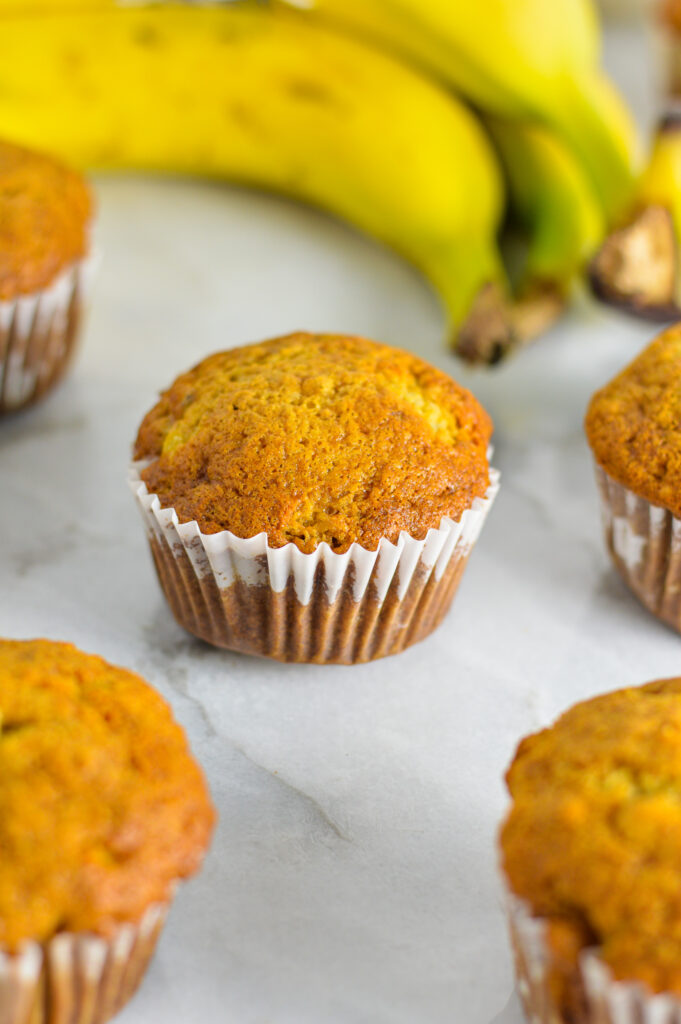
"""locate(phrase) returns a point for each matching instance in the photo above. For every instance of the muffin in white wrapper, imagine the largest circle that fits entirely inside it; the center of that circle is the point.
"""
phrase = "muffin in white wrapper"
(595, 996)
(633, 426)
(77, 978)
(644, 541)
(39, 333)
(324, 606)
(590, 860)
(47, 214)
(105, 812)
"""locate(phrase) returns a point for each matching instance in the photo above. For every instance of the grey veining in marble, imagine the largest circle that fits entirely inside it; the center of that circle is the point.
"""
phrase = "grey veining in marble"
(352, 879)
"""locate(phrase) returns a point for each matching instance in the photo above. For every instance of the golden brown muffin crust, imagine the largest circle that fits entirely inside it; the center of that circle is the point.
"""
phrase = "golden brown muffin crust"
(45, 209)
(102, 807)
(633, 424)
(594, 832)
(316, 438)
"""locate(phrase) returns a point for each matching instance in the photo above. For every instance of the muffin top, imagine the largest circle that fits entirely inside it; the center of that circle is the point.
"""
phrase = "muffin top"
(102, 807)
(314, 438)
(593, 837)
(634, 423)
(45, 210)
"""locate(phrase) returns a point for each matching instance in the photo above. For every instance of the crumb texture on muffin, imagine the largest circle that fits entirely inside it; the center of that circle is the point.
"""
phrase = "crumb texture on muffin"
(593, 836)
(634, 423)
(45, 210)
(102, 807)
(315, 438)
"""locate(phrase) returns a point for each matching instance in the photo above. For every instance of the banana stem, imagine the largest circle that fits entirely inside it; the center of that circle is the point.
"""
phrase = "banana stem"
(499, 326)
(536, 309)
(486, 323)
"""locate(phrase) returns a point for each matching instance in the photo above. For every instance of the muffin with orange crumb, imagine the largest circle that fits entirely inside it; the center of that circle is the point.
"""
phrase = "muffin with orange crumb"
(590, 853)
(633, 426)
(102, 811)
(45, 216)
(313, 497)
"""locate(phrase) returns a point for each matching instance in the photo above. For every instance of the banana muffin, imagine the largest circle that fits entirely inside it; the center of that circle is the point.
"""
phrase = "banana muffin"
(45, 215)
(313, 497)
(590, 852)
(633, 426)
(102, 811)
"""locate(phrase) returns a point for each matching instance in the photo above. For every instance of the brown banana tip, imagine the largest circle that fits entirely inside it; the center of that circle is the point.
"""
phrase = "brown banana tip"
(486, 336)
(636, 268)
(498, 326)
(670, 122)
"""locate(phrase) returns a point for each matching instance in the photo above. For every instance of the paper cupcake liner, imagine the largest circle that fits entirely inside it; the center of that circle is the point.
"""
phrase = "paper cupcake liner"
(77, 978)
(38, 335)
(597, 997)
(321, 607)
(645, 543)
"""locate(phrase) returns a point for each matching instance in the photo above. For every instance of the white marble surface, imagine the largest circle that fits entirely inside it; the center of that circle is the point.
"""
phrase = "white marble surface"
(352, 878)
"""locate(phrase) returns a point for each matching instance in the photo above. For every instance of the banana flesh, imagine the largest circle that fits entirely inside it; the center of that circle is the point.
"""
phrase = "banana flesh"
(269, 99)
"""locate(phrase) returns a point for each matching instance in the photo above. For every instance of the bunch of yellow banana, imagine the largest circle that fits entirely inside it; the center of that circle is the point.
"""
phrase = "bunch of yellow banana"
(361, 107)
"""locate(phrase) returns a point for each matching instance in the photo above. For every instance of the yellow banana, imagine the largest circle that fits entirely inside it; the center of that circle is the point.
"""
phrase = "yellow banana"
(637, 268)
(660, 183)
(527, 59)
(553, 201)
(562, 223)
(266, 98)
(553, 204)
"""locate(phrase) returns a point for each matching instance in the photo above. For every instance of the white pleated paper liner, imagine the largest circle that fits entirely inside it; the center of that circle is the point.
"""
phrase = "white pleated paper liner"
(600, 998)
(322, 607)
(77, 978)
(38, 335)
(645, 543)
